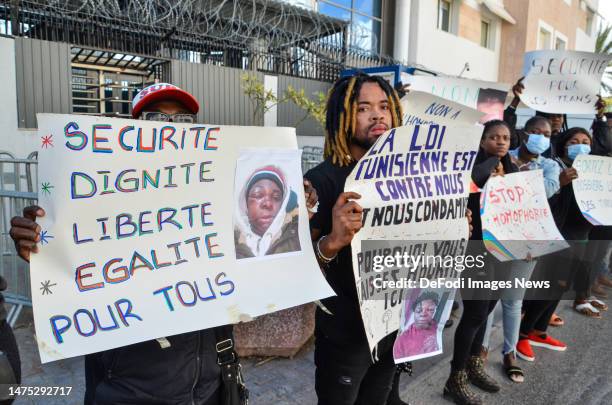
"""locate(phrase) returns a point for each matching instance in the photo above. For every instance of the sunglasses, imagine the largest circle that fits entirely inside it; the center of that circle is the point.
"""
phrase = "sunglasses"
(159, 116)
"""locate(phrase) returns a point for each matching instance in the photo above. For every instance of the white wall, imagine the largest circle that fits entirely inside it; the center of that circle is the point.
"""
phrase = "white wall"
(16, 141)
(446, 52)
(584, 42)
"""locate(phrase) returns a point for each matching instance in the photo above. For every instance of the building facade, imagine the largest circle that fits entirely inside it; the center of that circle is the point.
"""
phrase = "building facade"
(456, 38)
(64, 62)
(546, 24)
(481, 39)
(84, 58)
(451, 37)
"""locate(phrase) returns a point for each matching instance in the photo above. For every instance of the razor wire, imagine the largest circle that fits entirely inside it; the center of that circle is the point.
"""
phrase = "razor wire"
(273, 23)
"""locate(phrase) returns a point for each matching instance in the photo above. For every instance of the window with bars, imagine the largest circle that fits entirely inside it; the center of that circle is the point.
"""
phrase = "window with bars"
(105, 83)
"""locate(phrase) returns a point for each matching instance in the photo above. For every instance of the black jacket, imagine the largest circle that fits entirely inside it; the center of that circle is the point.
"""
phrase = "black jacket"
(602, 138)
(567, 214)
(482, 170)
(345, 325)
(510, 119)
(602, 146)
(185, 373)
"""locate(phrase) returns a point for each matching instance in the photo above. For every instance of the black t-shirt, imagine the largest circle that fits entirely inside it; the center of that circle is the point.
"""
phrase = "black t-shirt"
(345, 325)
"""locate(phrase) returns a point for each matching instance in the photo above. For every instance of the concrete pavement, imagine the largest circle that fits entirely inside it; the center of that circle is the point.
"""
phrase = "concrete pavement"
(581, 375)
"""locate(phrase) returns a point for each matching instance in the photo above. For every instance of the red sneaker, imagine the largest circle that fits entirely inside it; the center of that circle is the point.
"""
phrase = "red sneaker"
(547, 342)
(524, 350)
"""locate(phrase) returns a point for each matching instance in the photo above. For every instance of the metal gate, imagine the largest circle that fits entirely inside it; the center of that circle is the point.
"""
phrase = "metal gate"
(18, 186)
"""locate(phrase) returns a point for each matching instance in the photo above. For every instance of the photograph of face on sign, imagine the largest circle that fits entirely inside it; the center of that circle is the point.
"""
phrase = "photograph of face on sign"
(423, 317)
(266, 209)
(491, 102)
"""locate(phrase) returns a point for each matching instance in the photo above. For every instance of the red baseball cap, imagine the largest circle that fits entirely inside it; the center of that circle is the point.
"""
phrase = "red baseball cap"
(163, 91)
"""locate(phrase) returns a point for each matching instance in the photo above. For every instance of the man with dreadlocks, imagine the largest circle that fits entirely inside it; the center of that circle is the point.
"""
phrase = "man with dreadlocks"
(360, 108)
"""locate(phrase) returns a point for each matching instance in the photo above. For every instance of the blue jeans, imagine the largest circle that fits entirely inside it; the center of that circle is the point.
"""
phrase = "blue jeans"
(511, 309)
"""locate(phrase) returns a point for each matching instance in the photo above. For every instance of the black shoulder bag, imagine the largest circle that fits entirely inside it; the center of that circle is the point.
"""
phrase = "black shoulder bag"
(233, 390)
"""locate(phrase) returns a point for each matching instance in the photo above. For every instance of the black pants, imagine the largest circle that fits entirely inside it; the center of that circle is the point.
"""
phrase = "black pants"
(345, 374)
(537, 315)
(8, 345)
(470, 331)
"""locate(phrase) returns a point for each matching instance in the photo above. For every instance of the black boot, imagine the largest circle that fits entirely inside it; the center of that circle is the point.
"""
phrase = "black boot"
(394, 397)
(479, 377)
(458, 390)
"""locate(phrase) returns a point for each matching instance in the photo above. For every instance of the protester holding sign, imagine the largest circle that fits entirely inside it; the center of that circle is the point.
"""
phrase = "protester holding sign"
(468, 355)
(570, 220)
(138, 373)
(558, 125)
(535, 140)
(563, 81)
(558, 122)
(202, 364)
(359, 109)
(601, 235)
(575, 229)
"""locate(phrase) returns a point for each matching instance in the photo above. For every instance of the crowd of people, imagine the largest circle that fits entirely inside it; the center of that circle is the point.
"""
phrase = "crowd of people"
(546, 143)
(187, 368)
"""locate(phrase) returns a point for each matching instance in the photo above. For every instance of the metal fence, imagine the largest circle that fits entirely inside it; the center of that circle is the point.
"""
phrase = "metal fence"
(311, 156)
(18, 185)
(318, 58)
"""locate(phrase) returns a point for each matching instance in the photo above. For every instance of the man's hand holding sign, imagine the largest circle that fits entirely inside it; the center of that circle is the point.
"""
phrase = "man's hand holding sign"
(136, 238)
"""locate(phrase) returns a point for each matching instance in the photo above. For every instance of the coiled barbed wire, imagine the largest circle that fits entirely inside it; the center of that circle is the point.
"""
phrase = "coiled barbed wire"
(278, 23)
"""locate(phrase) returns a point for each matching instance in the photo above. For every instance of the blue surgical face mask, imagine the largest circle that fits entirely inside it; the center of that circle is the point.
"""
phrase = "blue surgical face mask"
(578, 149)
(537, 144)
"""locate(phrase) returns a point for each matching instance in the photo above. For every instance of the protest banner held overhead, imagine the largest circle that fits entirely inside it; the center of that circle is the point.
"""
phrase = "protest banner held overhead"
(486, 97)
(563, 82)
(414, 184)
(139, 240)
(517, 222)
(593, 188)
(424, 108)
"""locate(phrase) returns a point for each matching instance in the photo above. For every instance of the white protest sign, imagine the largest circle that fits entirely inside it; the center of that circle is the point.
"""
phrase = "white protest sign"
(414, 186)
(516, 219)
(486, 97)
(563, 82)
(143, 229)
(593, 188)
(424, 108)
(422, 323)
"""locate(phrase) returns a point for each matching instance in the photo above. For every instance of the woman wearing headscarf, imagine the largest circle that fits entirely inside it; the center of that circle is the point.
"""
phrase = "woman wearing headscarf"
(267, 217)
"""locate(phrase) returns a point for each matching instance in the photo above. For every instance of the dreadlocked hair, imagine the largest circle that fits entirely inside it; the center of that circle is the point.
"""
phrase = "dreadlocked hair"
(341, 114)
